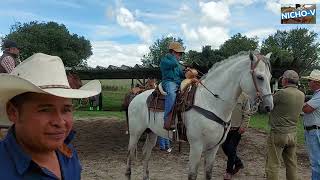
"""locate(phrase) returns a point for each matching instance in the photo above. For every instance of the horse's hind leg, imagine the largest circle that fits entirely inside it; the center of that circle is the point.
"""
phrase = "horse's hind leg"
(209, 156)
(134, 138)
(147, 148)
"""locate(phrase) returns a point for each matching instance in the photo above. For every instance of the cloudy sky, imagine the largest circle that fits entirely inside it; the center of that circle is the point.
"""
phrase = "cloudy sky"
(121, 31)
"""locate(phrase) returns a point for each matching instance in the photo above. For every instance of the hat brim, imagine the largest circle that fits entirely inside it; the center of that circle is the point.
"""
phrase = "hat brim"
(310, 78)
(179, 50)
(12, 86)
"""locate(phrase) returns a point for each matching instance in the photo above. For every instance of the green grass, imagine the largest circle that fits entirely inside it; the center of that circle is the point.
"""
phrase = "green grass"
(112, 100)
(105, 114)
(260, 121)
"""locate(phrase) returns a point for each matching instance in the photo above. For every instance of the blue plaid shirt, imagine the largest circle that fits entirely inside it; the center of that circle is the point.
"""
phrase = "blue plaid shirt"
(16, 164)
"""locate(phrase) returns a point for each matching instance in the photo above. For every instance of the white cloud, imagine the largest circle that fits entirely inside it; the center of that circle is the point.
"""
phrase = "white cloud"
(167, 16)
(125, 19)
(107, 53)
(273, 6)
(203, 35)
(211, 30)
(242, 2)
(298, 1)
(215, 13)
(108, 31)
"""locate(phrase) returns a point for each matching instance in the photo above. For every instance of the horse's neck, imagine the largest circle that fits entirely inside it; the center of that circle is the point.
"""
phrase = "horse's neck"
(225, 82)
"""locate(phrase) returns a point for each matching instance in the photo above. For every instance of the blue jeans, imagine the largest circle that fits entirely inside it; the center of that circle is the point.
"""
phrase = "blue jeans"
(312, 140)
(164, 143)
(171, 89)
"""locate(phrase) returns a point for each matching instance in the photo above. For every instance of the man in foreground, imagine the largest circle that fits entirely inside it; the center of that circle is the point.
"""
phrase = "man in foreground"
(36, 98)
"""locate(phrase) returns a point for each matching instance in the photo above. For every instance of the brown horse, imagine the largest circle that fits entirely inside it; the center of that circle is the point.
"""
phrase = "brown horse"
(150, 84)
(75, 83)
(74, 80)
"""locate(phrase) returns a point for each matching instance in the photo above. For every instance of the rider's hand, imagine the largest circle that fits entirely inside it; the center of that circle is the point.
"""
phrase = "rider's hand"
(241, 130)
(195, 80)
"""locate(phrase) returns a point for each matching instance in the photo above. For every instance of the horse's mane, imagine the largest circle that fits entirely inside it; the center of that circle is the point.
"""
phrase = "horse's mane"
(225, 61)
(231, 58)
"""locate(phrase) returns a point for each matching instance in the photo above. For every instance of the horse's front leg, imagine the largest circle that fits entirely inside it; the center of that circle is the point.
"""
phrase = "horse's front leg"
(209, 157)
(194, 159)
(147, 148)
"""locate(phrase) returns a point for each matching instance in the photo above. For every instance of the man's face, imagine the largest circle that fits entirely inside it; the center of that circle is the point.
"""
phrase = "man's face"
(14, 50)
(43, 121)
(178, 55)
(314, 85)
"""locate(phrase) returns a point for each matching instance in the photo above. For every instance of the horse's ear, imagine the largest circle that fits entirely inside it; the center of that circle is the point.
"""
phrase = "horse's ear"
(268, 55)
(252, 56)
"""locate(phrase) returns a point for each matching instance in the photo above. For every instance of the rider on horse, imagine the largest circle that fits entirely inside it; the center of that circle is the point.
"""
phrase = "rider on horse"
(172, 76)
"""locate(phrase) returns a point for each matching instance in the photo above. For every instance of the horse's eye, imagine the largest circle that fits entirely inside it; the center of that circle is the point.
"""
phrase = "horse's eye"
(260, 78)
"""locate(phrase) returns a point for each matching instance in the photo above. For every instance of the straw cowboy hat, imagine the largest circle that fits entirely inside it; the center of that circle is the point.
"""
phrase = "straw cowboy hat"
(176, 46)
(314, 75)
(41, 73)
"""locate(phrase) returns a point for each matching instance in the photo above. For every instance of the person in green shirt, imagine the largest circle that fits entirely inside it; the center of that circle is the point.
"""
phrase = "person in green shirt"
(283, 119)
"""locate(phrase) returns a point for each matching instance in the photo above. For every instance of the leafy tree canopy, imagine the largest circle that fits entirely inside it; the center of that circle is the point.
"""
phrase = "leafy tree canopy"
(50, 38)
(238, 43)
(295, 49)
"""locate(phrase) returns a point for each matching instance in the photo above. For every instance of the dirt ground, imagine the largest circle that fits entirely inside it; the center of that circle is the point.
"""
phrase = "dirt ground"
(102, 147)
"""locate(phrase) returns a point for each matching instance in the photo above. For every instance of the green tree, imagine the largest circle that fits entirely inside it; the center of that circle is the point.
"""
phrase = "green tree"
(206, 58)
(238, 43)
(294, 49)
(51, 38)
(158, 49)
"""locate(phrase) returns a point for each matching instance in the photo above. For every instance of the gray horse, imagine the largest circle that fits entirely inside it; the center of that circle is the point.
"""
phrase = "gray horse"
(245, 72)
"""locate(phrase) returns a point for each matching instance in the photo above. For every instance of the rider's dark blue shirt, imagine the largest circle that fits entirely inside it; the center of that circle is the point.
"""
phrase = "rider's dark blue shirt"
(15, 164)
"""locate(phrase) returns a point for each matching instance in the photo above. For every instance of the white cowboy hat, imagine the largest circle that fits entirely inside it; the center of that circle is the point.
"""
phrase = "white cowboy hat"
(41, 73)
(314, 75)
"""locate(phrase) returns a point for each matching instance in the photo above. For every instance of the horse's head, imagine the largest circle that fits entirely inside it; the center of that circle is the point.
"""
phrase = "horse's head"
(256, 81)
(150, 84)
(74, 80)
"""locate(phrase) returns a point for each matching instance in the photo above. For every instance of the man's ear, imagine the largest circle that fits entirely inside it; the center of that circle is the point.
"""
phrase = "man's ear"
(12, 112)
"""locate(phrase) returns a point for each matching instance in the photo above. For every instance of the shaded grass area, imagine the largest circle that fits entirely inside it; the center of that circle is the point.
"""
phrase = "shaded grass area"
(112, 100)
(260, 121)
(107, 114)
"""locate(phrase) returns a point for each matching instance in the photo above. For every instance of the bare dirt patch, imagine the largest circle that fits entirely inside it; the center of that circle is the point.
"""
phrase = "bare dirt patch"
(102, 148)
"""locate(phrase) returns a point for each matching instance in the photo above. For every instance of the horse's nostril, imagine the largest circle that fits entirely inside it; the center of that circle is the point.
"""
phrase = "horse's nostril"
(268, 109)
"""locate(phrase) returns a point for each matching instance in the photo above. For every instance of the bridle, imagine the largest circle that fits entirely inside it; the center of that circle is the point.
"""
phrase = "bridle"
(259, 94)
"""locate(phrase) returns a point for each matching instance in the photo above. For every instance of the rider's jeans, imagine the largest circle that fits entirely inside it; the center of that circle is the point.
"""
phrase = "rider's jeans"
(171, 89)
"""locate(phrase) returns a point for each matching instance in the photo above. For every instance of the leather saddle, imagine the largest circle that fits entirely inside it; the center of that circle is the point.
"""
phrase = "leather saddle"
(184, 102)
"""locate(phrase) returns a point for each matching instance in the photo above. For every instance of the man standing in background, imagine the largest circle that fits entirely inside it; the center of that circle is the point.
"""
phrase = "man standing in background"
(311, 121)
(9, 59)
(239, 122)
(283, 119)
